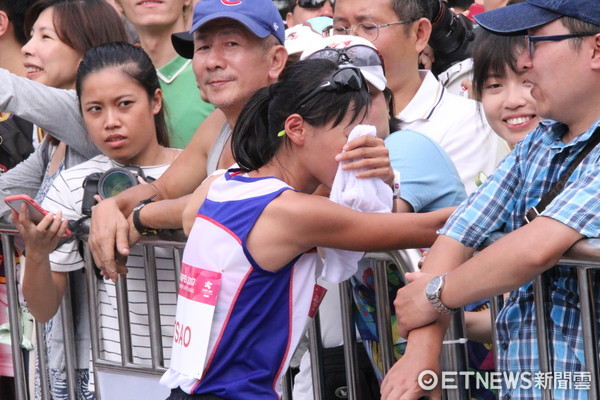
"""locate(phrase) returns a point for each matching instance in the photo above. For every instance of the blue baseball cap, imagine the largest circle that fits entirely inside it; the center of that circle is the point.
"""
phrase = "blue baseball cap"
(517, 18)
(261, 17)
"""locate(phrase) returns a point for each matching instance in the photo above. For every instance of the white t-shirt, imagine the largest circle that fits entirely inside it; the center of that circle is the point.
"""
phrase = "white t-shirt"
(454, 123)
(66, 195)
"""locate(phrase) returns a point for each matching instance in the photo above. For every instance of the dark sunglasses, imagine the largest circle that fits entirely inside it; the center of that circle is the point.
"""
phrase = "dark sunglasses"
(358, 55)
(312, 3)
(343, 80)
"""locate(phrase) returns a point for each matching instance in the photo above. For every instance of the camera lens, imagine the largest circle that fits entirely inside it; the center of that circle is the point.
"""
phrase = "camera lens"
(115, 181)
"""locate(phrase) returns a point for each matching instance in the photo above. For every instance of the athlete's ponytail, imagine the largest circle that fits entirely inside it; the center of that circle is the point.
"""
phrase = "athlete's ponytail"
(259, 130)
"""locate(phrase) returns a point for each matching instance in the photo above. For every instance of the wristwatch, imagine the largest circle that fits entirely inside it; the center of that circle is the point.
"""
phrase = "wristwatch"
(433, 291)
(136, 219)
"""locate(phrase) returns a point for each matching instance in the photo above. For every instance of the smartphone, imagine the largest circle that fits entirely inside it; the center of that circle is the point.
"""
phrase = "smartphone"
(36, 212)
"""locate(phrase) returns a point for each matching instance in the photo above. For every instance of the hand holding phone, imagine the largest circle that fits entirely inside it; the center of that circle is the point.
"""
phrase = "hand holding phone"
(35, 211)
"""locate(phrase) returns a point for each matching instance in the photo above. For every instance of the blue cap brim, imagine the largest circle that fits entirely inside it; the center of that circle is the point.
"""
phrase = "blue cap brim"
(515, 19)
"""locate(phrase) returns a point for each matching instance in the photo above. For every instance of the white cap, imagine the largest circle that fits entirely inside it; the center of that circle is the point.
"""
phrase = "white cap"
(374, 74)
(302, 36)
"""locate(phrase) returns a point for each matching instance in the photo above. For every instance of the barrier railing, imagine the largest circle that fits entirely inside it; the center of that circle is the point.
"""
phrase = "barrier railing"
(585, 255)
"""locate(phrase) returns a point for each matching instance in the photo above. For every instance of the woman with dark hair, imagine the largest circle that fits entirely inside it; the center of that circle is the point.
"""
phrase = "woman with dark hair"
(121, 104)
(253, 232)
(501, 88)
(59, 31)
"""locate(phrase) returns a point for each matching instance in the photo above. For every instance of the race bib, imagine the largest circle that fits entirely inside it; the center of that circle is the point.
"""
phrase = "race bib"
(198, 291)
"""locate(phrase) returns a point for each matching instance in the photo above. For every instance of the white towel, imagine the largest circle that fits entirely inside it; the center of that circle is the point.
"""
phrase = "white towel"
(364, 194)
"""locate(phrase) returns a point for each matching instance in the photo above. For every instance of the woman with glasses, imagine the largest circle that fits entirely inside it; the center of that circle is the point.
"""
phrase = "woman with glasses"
(250, 265)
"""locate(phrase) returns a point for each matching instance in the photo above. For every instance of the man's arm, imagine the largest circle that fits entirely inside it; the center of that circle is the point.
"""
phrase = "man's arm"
(424, 344)
(110, 228)
(54, 110)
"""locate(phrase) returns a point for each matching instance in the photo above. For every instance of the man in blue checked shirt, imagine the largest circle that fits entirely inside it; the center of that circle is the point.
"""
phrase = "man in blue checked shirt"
(562, 62)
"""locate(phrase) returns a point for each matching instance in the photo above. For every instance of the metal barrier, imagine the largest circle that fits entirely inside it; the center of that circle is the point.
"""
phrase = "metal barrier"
(585, 254)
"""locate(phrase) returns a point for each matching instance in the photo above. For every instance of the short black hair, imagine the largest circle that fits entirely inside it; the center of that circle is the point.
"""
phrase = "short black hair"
(16, 10)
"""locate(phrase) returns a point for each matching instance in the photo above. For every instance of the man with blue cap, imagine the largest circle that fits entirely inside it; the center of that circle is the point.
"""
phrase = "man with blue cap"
(543, 198)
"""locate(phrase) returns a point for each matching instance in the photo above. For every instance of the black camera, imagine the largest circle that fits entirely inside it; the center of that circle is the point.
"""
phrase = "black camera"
(452, 37)
(108, 184)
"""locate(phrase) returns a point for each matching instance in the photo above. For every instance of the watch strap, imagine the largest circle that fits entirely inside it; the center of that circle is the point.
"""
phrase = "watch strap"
(137, 223)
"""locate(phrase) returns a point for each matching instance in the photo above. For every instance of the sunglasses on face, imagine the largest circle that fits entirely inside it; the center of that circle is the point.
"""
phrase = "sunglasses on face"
(342, 80)
(312, 4)
(358, 55)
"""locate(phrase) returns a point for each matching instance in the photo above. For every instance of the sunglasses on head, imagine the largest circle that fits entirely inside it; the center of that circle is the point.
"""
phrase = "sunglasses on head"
(358, 55)
(313, 3)
(343, 80)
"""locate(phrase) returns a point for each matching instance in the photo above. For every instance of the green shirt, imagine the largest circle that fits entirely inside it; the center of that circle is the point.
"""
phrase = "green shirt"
(185, 109)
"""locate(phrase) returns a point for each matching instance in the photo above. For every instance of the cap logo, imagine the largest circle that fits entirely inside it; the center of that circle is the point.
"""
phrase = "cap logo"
(231, 2)
(275, 26)
(345, 44)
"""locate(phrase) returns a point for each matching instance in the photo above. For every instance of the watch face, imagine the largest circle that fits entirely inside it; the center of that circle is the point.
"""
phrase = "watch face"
(433, 286)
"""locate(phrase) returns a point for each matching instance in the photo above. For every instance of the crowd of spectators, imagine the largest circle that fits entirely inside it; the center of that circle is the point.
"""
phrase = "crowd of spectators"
(433, 124)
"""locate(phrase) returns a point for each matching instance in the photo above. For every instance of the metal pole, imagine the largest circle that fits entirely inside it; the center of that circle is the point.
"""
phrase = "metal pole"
(156, 346)
(349, 334)
(589, 329)
(496, 304)
(316, 358)
(540, 302)
(66, 315)
(382, 304)
(92, 292)
(124, 322)
(454, 356)
(42, 360)
(8, 245)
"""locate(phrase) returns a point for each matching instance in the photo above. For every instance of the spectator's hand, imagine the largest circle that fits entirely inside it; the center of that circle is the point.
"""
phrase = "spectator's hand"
(401, 381)
(427, 57)
(109, 229)
(370, 153)
(43, 237)
(413, 310)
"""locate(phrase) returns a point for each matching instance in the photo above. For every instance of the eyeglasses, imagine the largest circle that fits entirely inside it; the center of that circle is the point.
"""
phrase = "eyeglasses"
(532, 40)
(367, 30)
(312, 4)
(342, 80)
(358, 55)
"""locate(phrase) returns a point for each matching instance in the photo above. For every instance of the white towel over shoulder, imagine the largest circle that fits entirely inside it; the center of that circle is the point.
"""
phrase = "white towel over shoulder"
(367, 195)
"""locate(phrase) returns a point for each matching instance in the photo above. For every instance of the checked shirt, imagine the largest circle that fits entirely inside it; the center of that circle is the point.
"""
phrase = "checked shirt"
(500, 204)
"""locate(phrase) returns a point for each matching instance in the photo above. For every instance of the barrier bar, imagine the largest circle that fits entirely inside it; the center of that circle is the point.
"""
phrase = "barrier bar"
(349, 334)
(156, 345)
(42, 360)
(92, 293)
(124, 321)
(8, 244)
(316, 357)
(66, 315)
(382, 304)
(589, 329)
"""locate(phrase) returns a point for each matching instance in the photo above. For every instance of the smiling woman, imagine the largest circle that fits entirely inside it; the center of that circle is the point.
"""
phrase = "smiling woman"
(501, 88)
